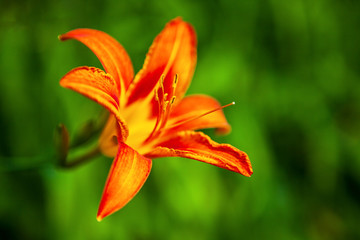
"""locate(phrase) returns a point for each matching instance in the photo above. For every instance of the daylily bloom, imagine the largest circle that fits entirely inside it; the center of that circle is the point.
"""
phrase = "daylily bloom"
(150, 117)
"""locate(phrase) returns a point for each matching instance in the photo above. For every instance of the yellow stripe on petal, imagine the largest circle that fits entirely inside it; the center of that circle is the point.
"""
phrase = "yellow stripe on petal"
(127, 175)
(172, 53)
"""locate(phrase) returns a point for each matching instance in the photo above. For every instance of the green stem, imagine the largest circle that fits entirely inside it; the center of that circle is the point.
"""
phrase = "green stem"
(64, 163)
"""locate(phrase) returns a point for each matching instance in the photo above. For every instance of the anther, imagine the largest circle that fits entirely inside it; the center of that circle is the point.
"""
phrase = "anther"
(176, 77)
(172, 100)
(175, 80)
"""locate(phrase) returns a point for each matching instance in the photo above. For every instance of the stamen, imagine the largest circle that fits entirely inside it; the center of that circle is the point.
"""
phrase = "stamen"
(165, 105)
(165, 100)
(160, 104)
(156, 95)
(200, 116)
(174, 84)
(161, 82)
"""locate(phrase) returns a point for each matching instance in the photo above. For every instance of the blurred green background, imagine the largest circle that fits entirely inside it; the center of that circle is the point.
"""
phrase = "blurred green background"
(292, 67)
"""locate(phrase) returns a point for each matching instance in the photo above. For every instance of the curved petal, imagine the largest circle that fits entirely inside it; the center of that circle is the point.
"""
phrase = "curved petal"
(111, 54)
(108, 142)
(173, 52)
(127, 175)
(189, 115)
(98, 86)
(198, 146)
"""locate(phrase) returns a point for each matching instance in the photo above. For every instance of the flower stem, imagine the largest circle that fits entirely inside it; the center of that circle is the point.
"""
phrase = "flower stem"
(64, 163)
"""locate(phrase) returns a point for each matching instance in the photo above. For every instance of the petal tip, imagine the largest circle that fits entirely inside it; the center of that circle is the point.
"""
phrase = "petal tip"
(101, 214)
(248, 170)
(249, 173)
(62, 37)
(99, 218)
(177, 19)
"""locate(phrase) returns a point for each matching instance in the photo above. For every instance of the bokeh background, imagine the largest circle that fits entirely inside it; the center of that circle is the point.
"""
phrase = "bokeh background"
(292, 67)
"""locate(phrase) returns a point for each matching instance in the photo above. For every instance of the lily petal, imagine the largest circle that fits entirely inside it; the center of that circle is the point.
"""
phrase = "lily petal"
(172, 52)
(111, 54)
(198, 146)
(127, 175)
(189, 115)
(108, 141)
(98, 86)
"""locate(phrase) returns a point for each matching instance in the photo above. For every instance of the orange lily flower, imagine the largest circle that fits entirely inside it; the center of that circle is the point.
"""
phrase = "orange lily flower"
(150, 117)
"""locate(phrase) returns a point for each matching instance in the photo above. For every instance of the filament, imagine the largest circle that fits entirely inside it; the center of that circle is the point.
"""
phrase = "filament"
(200, 116)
